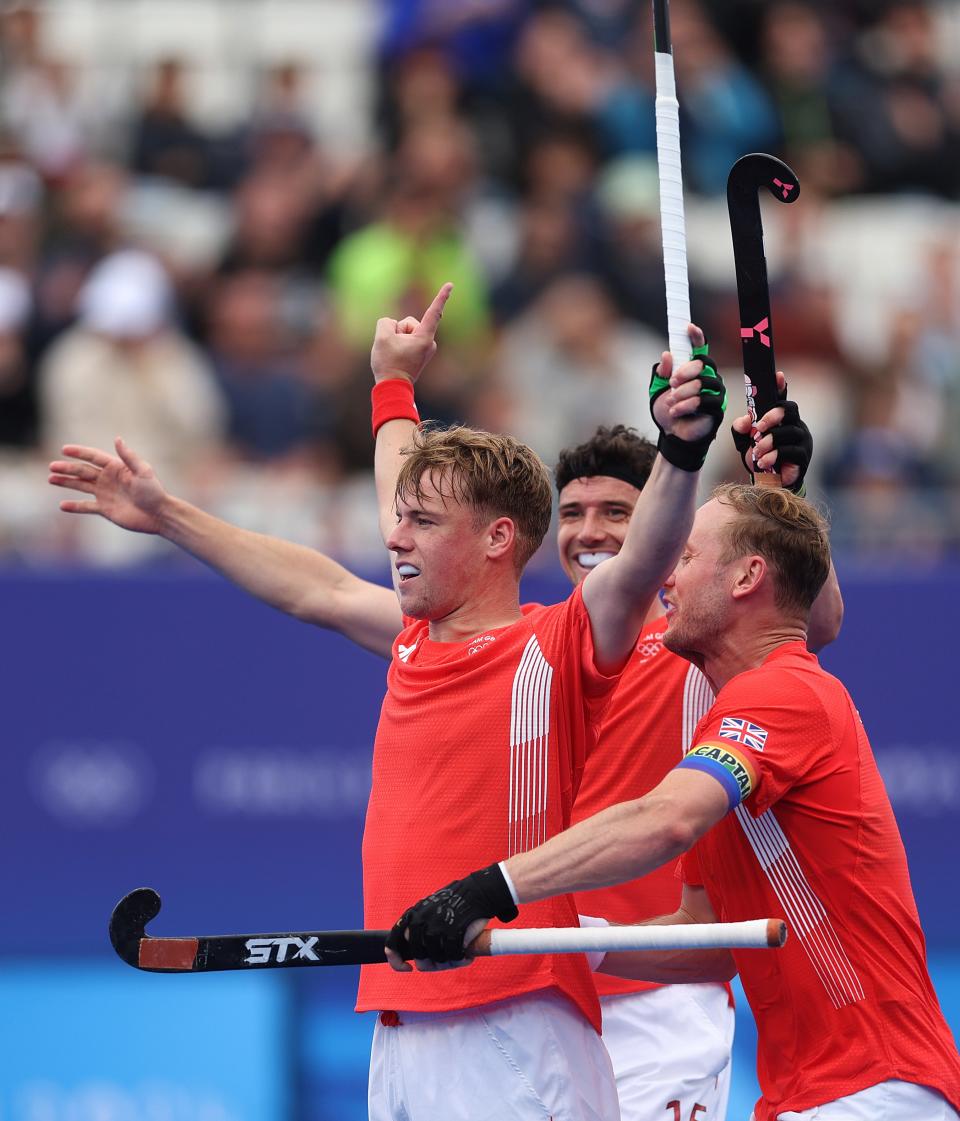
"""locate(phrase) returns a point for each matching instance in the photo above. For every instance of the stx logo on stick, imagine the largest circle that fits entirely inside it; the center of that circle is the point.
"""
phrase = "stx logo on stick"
(786, 188)
(259, 949)
(760, 329)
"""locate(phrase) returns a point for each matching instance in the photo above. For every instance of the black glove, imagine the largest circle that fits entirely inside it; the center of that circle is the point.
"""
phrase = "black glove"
(791, 439)
(689, 455)
(437, 925)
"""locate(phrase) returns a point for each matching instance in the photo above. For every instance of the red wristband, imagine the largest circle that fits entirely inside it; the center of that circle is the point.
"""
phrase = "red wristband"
(393, 400)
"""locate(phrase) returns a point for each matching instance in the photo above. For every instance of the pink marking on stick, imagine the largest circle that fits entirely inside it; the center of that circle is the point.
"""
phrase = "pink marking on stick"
(748, 332)
(785, 188)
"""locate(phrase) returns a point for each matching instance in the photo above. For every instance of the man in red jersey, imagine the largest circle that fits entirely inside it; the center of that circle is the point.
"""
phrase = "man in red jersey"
(670, 1045)
(780, 809)
(489, 712)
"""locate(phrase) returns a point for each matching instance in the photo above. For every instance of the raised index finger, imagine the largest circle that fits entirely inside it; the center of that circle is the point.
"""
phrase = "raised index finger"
(89, 455)
(434, 313)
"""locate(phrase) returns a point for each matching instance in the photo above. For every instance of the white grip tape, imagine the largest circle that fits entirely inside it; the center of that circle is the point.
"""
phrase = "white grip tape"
(750, 935)
(672, 226)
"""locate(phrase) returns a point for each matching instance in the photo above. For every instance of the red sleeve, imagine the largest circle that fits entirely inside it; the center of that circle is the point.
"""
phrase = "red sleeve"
(768, 732)
(690, 867)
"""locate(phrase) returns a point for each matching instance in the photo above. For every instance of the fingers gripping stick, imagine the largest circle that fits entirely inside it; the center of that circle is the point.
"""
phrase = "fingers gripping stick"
(747, 176)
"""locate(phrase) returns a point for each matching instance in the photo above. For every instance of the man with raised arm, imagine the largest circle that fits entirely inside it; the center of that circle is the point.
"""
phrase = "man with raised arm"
(669, 1045)
(779, 809)
(484, 700)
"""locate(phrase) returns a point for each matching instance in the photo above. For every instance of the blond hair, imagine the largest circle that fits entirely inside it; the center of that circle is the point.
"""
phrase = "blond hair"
(495, 475)
(787, 531)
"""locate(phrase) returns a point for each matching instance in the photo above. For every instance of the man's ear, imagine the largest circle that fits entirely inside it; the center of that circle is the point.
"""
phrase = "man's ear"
(751, 574)
(501, 538)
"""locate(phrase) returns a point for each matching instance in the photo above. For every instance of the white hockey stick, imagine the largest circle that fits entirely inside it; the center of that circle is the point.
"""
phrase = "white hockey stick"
(672, 227)
(755, 934)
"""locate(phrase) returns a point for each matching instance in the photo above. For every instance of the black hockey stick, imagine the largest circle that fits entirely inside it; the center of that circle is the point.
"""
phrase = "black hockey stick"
(232, 951)
(747, 176)
(366, 947)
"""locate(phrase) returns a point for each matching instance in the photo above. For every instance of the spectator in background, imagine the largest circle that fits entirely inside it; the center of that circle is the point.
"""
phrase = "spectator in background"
(125, 367)
(85, 226)
(21, 196)
(571, 363)
(273, 413)
(628, 198)
(909, 125)
(164, 141)
(724, 110)
(39, 104)
(549, 246)
(18, 407)
(815, 97)
(416, 243)
(887, 480)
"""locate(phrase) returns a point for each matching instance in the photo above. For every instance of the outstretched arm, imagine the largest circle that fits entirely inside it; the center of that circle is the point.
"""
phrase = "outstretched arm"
(298, 581)
(401, 350)
(618, 593)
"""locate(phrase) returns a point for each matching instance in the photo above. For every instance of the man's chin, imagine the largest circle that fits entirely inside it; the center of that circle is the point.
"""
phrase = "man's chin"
(675, 642)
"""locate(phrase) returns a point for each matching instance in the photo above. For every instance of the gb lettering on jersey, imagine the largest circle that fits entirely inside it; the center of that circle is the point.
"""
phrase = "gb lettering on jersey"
(481, 642)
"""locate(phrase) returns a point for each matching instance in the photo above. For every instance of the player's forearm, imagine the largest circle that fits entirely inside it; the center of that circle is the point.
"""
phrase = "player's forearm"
(618, 594)
(618, 844)
(292, 578)
(659, 527)
(392, 438)
(670, 967)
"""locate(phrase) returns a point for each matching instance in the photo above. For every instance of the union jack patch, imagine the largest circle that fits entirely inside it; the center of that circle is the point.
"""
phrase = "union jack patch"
(733, 728)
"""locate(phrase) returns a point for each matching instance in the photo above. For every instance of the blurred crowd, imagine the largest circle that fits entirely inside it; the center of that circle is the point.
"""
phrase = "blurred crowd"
(209, 291)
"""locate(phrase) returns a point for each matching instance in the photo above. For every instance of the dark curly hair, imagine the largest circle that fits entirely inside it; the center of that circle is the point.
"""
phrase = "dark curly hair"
(619, 452)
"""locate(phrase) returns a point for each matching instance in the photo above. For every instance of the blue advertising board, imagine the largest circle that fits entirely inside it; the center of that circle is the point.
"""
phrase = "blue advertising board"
(88, 1041)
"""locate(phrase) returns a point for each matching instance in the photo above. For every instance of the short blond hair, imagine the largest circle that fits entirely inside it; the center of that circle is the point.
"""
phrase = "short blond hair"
(495, 475)
(788, 532)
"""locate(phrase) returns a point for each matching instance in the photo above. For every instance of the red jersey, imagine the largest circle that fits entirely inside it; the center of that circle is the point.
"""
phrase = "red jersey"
(848, 1002)
(478, 755)
(656, 707)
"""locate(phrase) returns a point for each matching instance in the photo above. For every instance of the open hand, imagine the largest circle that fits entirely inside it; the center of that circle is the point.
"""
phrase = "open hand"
(123, 487)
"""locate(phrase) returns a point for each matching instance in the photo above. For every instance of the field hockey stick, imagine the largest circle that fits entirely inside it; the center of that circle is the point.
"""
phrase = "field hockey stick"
(294, 949)
(672, 228)
(747, 176)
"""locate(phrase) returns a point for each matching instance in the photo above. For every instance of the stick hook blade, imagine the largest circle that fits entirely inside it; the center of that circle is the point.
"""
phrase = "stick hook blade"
(128, 922)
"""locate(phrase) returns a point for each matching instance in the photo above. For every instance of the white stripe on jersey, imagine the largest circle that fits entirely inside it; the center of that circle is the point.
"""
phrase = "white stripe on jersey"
(529, 744)
(698, 699)
(808, 920)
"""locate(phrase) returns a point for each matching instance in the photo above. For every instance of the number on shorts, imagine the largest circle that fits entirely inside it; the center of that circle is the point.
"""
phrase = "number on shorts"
(698, 1113)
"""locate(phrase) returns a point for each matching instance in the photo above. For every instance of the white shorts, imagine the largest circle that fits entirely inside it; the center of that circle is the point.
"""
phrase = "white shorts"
(671, 1045)
(535, 1057)
(887, 1101)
